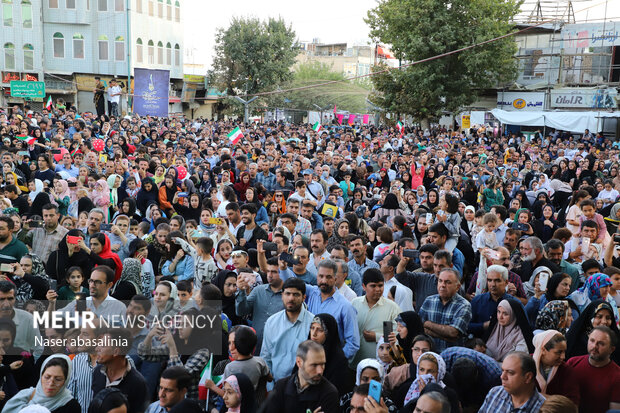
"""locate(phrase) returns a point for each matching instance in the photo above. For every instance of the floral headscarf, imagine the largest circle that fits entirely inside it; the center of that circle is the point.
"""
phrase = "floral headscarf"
(415, 389)
(593, 285)
(552, 315)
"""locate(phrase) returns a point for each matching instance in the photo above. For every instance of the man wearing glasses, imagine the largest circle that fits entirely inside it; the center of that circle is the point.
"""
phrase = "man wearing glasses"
(99, 301)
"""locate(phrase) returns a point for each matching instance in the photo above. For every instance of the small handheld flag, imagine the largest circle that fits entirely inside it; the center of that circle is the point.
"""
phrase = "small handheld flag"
(48, 105)
(317, 127)
(28, 139)
(235, 135)
(203, 392)
(400, 127)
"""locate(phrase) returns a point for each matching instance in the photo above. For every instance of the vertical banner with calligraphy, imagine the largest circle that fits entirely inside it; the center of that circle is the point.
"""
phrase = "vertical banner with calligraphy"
(151, 92)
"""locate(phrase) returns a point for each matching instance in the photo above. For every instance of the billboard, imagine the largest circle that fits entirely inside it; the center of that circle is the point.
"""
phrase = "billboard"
(151, 92)
(521, 101)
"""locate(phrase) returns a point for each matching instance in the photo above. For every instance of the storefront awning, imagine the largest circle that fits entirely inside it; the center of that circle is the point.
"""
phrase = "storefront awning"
(568, 121)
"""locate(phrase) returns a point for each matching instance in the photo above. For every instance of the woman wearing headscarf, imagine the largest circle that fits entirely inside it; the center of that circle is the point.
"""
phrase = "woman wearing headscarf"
(130, 282)
(165, 300)
(431, 369)
(408, 326)
(368, 369)
(324, 330)
(147, 195)
(508, 331)
(598, 312)
(166, 194)
(390, 208)
(383, 180)
(37, 199)
(35, 187)
(239, 394)
(51, 391)
(226, 282)
(127, 207)
(558, 288)
(241, 186)
(61, 195)
(101, 196)
(341, 230)
(100, 252)
(66, 256)
(542, 199)
(117, 193)
(553, 375)
(531, 286)
(432, 200)
(596, 286)
(556, 315)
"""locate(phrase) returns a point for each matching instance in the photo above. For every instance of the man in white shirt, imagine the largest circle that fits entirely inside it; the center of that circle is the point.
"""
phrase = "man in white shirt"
(114, 97)
(318, 244)
(403, 296)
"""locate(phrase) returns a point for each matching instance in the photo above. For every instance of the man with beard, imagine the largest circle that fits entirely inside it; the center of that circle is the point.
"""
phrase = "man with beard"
(44, 240)
(598, 375)
(307, 389)
(11, 249)
(326, 299)
(95, 218)
(532, 255)
(555, 251)
(249, 232)
(287, 328)
(515, 285)
(262, 301)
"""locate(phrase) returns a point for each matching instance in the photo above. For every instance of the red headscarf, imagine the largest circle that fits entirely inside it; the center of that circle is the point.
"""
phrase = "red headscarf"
(106, 253)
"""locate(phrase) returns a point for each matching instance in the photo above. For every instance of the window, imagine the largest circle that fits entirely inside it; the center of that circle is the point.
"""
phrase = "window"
(168, 54)
(160, 9)
(169, 10)
(139, 50)
(78, 46)
(119, 5)
(71, 4)
(103, 47)
(151, 7)
(59, 45)
(53, 4)
(177, 55)
(26, 14)
(9, 56)
(119, 48)
(7, 13)
(177, 12)
(151, 52)
(139, 6)
(28, 57)
(160, 53)
(103, 5)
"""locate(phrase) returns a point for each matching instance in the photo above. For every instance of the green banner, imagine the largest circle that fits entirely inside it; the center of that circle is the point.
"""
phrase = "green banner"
(25, 89)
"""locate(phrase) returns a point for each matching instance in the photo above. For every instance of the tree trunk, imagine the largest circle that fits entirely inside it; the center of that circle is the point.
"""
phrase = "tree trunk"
(425, 124)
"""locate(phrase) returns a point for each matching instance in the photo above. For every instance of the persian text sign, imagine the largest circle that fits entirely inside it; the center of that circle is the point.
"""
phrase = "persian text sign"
(24, 89)
(151, 92)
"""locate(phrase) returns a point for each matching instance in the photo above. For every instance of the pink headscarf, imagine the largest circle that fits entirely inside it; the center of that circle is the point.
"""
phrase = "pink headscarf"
(232, 380)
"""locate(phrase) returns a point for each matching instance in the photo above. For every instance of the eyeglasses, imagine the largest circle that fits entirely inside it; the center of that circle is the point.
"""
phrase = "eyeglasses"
(55, 380)
(96, 282)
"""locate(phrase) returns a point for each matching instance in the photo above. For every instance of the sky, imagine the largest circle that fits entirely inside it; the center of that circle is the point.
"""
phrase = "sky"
(327, 20)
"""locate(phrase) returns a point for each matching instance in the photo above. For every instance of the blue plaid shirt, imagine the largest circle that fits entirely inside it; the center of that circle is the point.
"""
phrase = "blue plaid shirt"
(269, 181)
(498, 400)
(489, 368)
(456, 313)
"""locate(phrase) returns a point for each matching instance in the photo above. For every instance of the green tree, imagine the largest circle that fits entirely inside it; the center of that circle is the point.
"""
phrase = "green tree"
(253, 55)
(420, 29)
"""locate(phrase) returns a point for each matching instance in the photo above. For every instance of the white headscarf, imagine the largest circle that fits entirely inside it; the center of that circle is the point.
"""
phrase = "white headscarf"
(38, 188)
(364, 364)
(36, 396)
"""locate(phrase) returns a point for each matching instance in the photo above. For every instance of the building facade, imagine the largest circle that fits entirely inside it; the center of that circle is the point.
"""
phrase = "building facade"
(77, 40)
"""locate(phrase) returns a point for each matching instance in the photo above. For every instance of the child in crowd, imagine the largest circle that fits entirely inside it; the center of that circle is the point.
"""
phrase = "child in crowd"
(74, 278)
(185, 292)
(384, 234)
(205, 268)
(132, 187)
(485, 241)
(588, 207)
(449, 215)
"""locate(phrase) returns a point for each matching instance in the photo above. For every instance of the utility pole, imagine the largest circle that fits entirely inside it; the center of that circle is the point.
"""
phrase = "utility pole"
(246, 104)
(321, 110)
(128, 56)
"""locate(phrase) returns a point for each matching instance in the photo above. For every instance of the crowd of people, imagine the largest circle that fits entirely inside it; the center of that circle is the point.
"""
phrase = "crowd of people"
(352, 269)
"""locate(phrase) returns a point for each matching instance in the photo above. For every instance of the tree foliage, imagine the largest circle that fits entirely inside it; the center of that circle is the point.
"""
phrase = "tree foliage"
(346, 95)
(253, 55)
(420, 29)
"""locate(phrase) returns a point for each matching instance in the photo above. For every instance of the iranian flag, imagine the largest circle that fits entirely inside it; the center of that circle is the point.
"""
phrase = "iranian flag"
(317, 127)
(235, 135)
(28, 139)
(203, 392)
(400, 127)
(48, 105)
